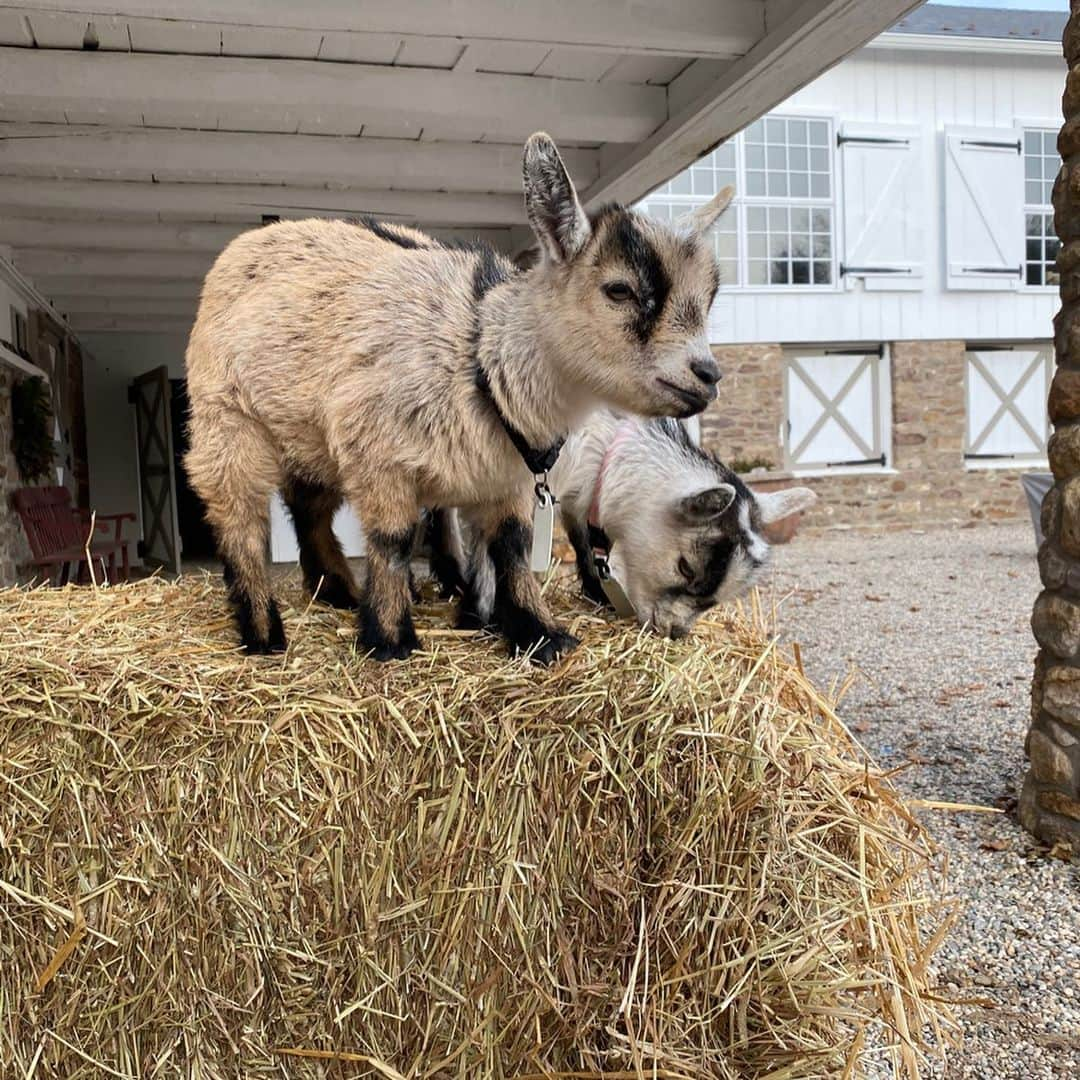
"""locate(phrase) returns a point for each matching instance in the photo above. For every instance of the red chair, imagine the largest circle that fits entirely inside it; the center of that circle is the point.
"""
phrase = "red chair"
(58, 532)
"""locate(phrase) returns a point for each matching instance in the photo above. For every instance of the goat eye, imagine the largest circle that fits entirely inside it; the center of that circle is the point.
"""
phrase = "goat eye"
(686, 569)
(618, 291)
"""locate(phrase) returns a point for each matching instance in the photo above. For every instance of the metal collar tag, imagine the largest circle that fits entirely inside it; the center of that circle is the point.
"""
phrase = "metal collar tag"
(543, 527)
(613, 590)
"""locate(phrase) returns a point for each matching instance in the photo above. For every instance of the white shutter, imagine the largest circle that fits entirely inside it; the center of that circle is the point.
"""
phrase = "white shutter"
(1006, 403)
(884, 206)
(984, 225)
(833, 409)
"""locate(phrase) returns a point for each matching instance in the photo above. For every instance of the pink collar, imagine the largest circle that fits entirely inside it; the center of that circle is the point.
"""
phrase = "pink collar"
(622, 434)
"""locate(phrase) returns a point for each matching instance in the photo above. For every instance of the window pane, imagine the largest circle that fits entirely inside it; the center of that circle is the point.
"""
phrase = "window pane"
(819, 133)
(797, 132)
(1034, 274)
(819, 160)
(756, 132)
(800, 187)
(819, 186)
(724, 156)
(776, 157)
(1050, 144)
(778, 184)
(822, 221)
(1034, 224)
(755, 218)
(755, 157)
(799, 158)
(821, 246)
(800, 272)
(800, 246)
(822, 273)
(1053, 245)
(778, 219)
(1033, 167)
(680, 185)
(775, 130)
(759, 272)
(727, 245)
(704, 182)
(800, 219)
(1034, 249)
(755, 182)
(1033, 192)
(756, 245)
(778, 245)
(1032, 142)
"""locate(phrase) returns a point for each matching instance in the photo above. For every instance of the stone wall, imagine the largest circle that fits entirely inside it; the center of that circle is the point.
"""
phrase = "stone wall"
(1050, 801)
(13, 547)
(927, 483)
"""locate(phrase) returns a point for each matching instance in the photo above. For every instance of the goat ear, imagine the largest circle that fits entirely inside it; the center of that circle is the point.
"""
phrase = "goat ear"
(551, 202)
(775, 505)
(705, 505)
(701, 220)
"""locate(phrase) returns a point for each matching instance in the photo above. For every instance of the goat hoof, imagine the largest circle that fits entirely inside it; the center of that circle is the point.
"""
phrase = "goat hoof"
(257, 647)
(335, 593)
(400, 650)
(554, 645)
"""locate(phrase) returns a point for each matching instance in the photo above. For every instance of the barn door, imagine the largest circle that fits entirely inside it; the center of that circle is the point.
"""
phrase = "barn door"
(884, 206)
(1006, 403)
(984, 191)
(834, 409)
(150, 394)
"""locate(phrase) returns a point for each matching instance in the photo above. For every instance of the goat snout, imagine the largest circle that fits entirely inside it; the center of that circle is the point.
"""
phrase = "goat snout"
(706, 369)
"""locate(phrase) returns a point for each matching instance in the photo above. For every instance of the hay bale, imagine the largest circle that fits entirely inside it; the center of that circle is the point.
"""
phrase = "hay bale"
(658, 859)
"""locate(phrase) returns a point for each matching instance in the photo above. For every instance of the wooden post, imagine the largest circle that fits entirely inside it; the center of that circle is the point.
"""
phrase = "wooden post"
(1050, 801)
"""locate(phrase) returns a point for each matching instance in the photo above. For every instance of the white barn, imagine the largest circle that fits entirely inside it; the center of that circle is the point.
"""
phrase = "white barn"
(893, 218)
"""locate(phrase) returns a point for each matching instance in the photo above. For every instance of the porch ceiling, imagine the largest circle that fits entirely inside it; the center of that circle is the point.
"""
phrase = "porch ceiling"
(138, 136)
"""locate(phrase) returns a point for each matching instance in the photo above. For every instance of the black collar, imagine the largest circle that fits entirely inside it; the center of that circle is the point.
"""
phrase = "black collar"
(538, 461)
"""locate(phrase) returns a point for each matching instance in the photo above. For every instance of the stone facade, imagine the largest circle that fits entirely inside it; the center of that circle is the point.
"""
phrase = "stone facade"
(1050, 801)
(13, 547)
(927, 483)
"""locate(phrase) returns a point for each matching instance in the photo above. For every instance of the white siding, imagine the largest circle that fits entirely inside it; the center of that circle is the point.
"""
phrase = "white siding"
(930, 90)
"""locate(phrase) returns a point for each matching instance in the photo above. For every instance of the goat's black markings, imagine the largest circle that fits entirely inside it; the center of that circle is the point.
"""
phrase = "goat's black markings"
(253, 641)
(490, 270)
(590, 580)
(523, 628)
(374, 638)
(312, 507)
(394, 547)
(444, 566)
(625, 242)
(384, 232)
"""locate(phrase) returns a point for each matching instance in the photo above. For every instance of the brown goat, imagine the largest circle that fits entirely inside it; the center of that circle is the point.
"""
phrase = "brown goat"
(368, 362)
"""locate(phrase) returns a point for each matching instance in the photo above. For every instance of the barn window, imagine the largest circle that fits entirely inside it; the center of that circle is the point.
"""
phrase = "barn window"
(789, 190)
(696, 186)
(837, 407)
(781, 232)
(1041, 164)
(1006, 389)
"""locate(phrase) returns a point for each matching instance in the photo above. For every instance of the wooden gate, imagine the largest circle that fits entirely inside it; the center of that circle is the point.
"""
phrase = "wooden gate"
(160, 545)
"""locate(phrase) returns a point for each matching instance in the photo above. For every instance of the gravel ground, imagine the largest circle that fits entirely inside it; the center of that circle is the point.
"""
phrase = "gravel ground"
(936, 626)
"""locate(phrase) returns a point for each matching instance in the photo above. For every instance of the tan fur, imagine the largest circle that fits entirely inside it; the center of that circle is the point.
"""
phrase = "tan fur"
(326, 352)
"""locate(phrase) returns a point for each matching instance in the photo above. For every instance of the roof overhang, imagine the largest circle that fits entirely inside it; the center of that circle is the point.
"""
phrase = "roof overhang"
(138, 136)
